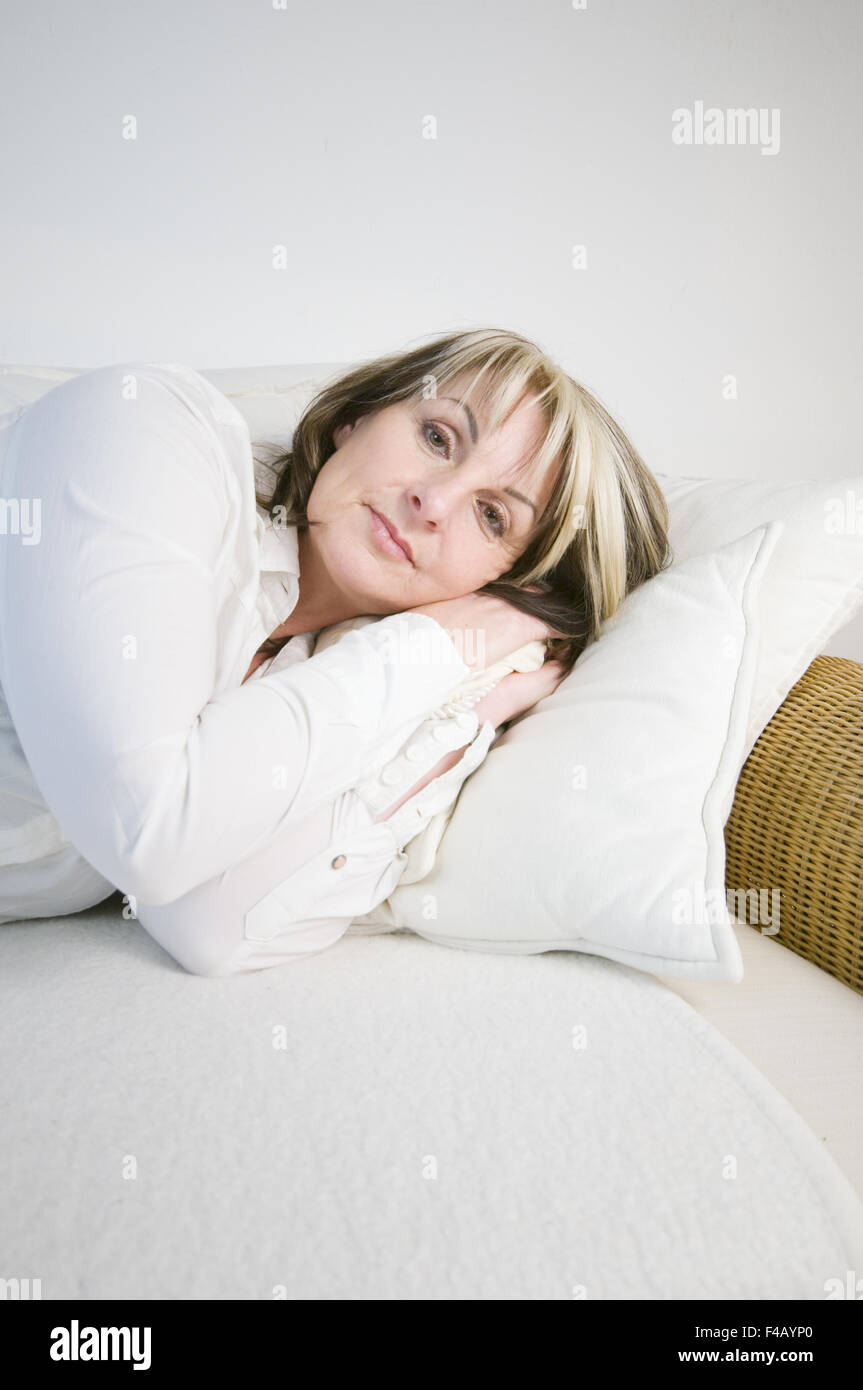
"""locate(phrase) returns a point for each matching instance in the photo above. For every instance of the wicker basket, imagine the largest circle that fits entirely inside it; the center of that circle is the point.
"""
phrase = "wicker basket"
(796, 824)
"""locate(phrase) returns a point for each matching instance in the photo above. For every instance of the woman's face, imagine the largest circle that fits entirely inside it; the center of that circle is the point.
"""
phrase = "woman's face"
(450, 497)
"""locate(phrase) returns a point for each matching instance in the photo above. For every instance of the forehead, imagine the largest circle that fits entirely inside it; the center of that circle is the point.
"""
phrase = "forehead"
(513, 444)
(473, 389)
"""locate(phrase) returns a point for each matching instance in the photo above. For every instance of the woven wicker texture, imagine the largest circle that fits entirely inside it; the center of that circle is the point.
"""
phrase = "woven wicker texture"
(795, 832)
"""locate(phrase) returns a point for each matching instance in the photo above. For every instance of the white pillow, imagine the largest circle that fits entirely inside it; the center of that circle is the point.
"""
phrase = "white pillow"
(270, 399)
(814, 582)
(596, 821)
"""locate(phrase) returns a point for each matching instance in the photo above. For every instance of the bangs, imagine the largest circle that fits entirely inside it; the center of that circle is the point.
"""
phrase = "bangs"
(499, 382)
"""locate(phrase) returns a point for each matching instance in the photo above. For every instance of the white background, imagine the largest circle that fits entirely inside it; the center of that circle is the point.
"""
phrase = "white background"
(303, 127)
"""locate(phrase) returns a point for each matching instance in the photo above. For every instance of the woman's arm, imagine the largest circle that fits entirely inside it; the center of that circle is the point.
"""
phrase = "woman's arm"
(111, 640)
(299, 895)
(447, 761)
(513, 695)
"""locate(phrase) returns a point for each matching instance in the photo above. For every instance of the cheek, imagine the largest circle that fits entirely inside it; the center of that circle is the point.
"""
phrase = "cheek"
(472, 562)
(357, 482)
(332, 489)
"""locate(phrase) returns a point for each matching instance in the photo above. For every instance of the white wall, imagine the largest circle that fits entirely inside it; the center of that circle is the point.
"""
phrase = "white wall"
(303, 126)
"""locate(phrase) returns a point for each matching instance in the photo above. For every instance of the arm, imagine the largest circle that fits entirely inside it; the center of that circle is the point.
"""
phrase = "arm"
(511, 696)
(447, 761)
(300, 894)
(111, 641)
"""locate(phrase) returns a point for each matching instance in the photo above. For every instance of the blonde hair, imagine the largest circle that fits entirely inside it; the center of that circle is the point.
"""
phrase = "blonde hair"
(604, 529)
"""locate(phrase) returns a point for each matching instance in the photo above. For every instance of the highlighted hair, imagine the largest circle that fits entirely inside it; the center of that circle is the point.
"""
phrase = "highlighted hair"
(604, 529)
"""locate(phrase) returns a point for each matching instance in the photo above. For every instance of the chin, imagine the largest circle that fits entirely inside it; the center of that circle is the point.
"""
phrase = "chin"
(361, 577)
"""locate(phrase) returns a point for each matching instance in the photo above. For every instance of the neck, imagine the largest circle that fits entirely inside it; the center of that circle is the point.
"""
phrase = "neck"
(320, 603)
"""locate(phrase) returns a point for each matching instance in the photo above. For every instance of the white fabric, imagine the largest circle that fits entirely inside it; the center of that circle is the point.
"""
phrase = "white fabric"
(597, 824)
(529, 657)
(270, 399)
(803, 1029)
(814, 582)
(388, 1120)
(217, 807)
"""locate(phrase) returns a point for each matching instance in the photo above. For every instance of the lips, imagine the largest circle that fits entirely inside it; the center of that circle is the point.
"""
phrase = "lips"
(399, 540)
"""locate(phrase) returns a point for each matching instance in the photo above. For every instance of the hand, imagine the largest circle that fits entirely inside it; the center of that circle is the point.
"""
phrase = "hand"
(485, 628)
(517, 692)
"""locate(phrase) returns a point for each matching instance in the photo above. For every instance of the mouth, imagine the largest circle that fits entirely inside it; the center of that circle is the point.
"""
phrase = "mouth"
(388, 537)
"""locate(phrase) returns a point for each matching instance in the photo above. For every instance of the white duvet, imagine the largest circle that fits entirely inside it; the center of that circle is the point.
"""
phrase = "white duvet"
(392, 1119)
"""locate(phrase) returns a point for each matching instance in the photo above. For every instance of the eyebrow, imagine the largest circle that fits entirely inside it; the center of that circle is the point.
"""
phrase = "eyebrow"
(474, 434)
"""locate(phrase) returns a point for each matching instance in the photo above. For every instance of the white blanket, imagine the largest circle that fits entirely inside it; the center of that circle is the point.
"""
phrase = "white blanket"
(392, 1119)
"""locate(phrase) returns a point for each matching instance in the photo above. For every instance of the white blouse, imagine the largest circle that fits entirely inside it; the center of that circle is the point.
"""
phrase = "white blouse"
(238, 819)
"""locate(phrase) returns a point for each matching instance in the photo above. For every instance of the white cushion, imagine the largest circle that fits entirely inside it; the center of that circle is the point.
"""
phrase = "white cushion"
(814, 582)
(270, 399)
(596, 822)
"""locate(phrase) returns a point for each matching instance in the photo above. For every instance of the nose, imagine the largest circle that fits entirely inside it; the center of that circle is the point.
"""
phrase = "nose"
(435, 499)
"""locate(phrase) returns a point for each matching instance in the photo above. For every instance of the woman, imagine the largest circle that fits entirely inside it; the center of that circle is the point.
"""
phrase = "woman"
(171, 731)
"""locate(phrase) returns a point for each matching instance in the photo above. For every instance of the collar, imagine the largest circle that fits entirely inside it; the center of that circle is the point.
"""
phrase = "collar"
(279, 564)
(279, 549)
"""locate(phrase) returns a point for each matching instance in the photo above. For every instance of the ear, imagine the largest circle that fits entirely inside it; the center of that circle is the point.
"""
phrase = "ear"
(341, 434)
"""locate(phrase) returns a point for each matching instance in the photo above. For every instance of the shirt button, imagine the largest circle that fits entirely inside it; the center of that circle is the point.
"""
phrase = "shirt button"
(390, 775)
(441, 734)
(465, 721)
(339, 861)
(414, 753)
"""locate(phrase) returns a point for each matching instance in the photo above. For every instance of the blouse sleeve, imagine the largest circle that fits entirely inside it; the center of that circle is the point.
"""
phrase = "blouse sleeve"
(434, 737)
(300, 895)
(109, 640)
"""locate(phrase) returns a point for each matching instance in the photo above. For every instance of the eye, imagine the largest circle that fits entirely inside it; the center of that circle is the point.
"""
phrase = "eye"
(499, 525)
(432, 428)
(440, 440)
